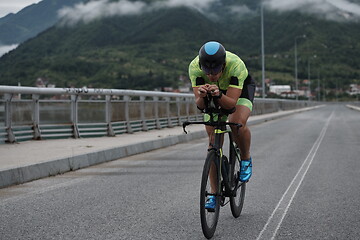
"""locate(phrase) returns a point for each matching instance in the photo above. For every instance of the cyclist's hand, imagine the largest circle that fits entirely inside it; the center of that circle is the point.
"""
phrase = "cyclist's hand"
(203, 90)
(214, 90)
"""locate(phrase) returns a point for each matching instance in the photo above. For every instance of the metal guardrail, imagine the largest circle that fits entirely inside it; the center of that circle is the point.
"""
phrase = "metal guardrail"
(82, 112)
(44, 113)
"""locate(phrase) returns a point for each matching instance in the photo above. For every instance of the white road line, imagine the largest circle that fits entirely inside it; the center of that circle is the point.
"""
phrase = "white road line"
(276, 218)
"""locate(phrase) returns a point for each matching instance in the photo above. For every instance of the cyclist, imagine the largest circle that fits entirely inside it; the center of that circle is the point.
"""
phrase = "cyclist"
(225, 76)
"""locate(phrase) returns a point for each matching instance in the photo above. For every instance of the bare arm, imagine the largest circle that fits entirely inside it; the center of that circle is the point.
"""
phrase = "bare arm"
(200, 93)
(229, 100)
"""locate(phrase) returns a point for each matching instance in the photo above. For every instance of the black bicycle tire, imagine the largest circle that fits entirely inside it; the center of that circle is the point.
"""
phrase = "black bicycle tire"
(208, 231)
(236, 203)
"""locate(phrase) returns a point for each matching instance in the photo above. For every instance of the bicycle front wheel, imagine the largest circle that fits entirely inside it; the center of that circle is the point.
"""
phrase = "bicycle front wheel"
(209, 187)
(237, 200)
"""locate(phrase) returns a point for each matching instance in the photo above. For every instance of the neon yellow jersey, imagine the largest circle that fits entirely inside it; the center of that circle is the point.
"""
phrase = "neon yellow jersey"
(234, 67)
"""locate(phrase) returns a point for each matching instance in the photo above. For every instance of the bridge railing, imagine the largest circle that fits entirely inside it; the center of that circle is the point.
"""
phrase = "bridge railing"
(46, 113)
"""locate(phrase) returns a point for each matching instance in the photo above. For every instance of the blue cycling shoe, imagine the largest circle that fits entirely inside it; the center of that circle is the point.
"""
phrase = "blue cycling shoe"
(245, 170)
(210, 203)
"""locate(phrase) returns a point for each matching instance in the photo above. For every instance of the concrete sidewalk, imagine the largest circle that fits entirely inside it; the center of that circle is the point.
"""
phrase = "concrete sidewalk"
(27, 161)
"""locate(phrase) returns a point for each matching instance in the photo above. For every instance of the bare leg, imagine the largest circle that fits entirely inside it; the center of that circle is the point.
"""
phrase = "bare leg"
(213, 183)
(242, 136)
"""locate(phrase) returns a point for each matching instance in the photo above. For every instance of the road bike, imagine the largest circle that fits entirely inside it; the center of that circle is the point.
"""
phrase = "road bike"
(225, 184)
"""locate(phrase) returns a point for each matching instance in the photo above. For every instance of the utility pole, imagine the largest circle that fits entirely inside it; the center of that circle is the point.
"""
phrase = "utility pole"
(324, 95)
(318, 85)
(309, 79)
(296, 70)
(262, 50)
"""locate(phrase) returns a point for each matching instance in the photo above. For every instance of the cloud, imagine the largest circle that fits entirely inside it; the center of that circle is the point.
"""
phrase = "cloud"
(199, 4)
(330, 9)
(90, 11)
(87, 12)
(7, 48)
(96, 9)
(240, 10)
(7, 7)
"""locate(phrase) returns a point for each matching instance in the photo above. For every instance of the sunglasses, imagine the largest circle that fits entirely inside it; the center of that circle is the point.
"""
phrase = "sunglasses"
(212, 71)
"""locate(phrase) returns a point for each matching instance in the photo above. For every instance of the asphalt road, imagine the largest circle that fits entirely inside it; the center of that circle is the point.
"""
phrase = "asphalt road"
(306, 185)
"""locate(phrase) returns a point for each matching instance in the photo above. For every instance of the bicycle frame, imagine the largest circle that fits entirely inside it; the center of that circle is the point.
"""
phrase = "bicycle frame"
(223, 168)
(228, 180)
(219, 131)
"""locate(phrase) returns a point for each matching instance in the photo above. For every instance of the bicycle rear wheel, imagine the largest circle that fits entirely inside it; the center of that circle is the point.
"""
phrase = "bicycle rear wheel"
(236, 201)
(209, 219)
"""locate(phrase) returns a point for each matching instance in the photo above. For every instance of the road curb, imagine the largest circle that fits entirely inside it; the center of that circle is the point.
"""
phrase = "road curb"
(28, 173)
(353, 107)
(32, 172)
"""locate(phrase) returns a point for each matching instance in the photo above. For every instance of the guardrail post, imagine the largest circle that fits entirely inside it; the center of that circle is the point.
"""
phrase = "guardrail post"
(156, 106)
(108, 112)
(278, 106)
(36, 116)
(199, 115)
(127, 114)
(168, 113)
(8, 117)
(74, 115)
(142, 113)
(188, 108)
(178, 106)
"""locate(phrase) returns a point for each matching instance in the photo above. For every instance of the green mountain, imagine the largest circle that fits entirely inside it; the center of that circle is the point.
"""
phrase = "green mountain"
(119, 52)
(153, 49)
(27, 23)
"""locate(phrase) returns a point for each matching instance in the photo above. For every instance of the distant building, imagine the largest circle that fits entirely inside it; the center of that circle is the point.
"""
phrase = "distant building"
(184, 89)
(167, 89)
(291, 94)
(40, 82)
(278, 89)
(354, 89)
(43, 83)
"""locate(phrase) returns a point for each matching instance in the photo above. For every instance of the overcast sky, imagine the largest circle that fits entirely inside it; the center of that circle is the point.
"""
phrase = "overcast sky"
(13, 6)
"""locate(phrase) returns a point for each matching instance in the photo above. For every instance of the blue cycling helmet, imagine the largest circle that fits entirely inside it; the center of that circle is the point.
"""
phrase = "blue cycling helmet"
(212, 57)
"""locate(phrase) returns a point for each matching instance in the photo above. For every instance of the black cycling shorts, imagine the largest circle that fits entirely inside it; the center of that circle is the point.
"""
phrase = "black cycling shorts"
(248, 90)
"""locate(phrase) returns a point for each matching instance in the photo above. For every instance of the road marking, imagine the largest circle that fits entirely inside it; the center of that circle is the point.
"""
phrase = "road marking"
(276, 218)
